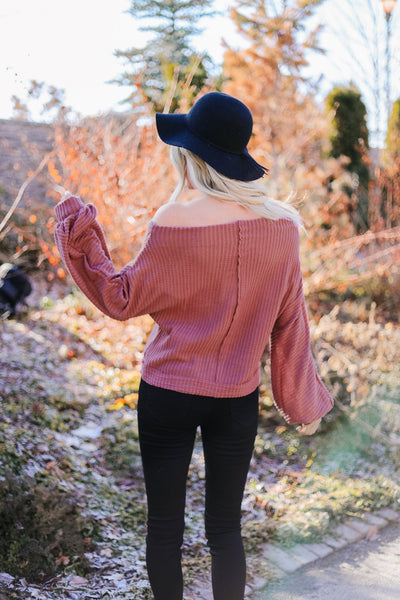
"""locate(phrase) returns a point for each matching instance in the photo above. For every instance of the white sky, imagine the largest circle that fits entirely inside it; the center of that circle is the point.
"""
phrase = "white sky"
(70, 45)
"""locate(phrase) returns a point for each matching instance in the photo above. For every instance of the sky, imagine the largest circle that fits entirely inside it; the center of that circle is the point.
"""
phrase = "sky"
(70, 45)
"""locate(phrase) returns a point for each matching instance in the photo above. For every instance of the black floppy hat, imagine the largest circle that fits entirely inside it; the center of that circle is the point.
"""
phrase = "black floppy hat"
(217, 128)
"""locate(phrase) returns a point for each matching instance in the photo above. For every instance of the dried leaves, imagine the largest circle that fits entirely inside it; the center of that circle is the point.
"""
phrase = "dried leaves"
(69, 377)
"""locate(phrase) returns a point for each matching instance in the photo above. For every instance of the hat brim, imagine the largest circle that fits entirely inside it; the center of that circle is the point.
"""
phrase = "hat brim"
(173, 130)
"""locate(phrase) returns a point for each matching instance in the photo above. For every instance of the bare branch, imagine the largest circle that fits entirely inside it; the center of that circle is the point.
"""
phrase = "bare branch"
(172, 90)
(22, 189)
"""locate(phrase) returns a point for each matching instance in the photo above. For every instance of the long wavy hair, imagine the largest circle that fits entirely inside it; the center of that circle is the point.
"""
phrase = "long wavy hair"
(249, 194)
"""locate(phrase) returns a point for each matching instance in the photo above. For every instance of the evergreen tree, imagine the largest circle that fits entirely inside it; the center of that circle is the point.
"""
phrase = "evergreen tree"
(393, 134)
(349, 138)
(166, 67)
(389, 209)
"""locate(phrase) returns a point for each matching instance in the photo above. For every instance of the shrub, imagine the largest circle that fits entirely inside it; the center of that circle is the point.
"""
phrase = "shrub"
(349, 137)
(41, 529)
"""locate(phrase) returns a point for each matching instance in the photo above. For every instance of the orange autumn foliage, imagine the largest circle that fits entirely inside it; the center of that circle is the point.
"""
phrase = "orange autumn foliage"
(291, 136)
(290, 128)
(119, 165)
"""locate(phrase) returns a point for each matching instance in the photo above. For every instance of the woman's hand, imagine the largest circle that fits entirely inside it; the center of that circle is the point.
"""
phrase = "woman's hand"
(62, 191)
(65, 195)
(308, 429)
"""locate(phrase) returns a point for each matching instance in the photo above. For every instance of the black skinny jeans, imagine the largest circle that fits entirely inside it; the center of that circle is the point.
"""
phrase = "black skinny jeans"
(168, 422)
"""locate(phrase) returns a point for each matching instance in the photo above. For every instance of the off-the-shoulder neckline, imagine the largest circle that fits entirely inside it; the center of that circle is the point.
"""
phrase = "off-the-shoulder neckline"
(153, 224)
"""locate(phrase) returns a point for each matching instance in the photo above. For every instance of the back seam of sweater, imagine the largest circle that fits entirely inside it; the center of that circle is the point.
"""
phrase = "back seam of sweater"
(225, 337)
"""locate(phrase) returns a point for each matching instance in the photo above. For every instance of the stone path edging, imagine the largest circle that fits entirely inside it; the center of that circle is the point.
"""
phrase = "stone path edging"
(284, 561)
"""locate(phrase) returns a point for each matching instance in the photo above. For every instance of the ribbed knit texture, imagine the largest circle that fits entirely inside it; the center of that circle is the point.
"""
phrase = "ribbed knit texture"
(217, 293)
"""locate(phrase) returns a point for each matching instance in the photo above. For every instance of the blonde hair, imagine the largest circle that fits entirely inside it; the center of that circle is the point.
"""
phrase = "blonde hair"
(249, 194)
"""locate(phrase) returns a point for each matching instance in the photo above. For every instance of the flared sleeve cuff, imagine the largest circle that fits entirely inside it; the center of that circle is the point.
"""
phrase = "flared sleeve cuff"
(68, 206)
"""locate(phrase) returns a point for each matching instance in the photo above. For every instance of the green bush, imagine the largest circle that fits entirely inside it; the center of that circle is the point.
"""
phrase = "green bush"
(393, 138)
(120, 444)
(41, 529)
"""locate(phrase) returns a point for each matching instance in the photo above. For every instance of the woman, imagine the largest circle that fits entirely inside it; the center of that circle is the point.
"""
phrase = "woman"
(220, 276)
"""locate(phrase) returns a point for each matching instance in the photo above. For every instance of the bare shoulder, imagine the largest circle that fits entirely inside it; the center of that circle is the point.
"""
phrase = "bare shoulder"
(170, 215)
(201, 211)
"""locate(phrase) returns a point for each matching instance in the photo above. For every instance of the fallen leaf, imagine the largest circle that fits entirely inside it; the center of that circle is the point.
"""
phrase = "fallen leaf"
(77, 580)
(372, 533)
(6, 578)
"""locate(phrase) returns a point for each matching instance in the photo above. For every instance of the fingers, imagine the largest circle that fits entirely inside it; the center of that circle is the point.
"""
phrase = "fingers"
(62, 191)
(308, 429)
(66, 195)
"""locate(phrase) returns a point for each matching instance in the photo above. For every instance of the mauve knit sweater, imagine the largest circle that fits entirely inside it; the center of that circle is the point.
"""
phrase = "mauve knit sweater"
(217, 294)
